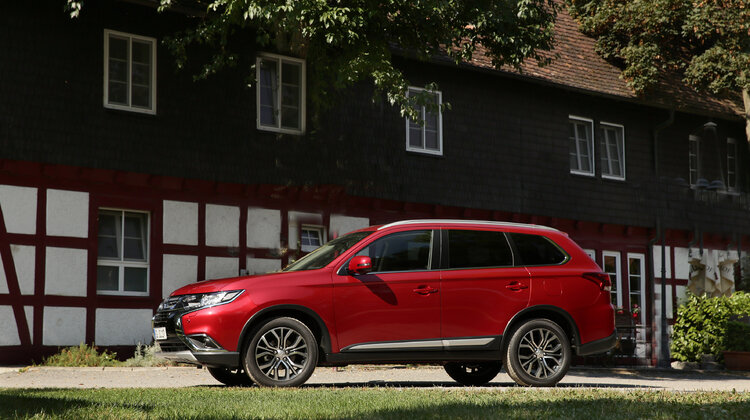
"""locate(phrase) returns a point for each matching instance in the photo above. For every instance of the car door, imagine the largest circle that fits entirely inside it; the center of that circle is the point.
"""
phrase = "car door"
(397, 305)
(481, 288)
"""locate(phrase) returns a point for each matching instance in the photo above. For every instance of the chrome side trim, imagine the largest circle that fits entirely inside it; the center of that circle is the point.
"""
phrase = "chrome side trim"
(466, 342)
(467, 222)
(397, 345)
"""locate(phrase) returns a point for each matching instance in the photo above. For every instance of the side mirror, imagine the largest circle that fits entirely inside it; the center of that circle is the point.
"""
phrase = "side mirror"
(360, 265)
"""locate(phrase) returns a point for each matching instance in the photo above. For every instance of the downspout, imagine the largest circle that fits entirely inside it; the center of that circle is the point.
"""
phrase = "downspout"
(663, 360)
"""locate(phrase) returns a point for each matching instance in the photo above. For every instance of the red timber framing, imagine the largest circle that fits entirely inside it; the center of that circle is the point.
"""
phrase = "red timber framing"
(143, 192)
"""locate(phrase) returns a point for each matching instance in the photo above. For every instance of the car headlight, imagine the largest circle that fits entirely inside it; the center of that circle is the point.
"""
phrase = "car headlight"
(205, 300)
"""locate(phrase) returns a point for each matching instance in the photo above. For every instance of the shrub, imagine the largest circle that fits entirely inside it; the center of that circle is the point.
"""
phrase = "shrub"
(144, 357)
(738, 336)
(701, 325)
(82, 355)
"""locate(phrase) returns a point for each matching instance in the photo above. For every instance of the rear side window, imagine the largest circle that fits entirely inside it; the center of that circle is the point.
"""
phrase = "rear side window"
(478, 248)
(402, 251)
(537, 250)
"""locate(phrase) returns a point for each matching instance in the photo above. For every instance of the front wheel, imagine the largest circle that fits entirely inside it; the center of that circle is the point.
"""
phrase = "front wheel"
(230, 377)
(283, 352)
(473, 373)
(538, 353)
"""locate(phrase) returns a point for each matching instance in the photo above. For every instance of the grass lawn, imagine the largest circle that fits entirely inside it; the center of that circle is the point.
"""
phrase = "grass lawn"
(387, 403)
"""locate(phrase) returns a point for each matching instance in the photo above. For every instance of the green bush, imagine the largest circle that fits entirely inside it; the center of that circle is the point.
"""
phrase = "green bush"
(738, 336)
(82, 355)
(144, 357)
(701, 325)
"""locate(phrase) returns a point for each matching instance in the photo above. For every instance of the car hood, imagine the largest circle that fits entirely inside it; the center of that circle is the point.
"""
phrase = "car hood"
(233, 283)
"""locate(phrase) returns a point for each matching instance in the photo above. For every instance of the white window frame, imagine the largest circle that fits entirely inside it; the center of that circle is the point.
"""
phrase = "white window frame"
(425, 150)
(694, 140)
(592, 161)
(732, 164)
(642, 301)
(303, 93)
(130, 38)
(122, 263)
(321, 234)
(591, 253)
(621, 148)
(617, 281)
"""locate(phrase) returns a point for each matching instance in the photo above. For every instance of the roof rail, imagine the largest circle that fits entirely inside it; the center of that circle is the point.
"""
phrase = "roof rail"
(464, 222)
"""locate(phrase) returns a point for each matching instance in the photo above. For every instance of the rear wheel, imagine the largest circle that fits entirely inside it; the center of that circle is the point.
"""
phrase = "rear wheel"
(282, 352)
(538, 353)
(230, 377)
(473, 373)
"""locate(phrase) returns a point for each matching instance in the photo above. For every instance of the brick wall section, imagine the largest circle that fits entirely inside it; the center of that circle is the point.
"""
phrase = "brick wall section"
(505, 140)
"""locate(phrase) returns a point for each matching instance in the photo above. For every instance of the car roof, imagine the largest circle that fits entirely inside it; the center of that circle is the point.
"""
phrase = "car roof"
(467, 223)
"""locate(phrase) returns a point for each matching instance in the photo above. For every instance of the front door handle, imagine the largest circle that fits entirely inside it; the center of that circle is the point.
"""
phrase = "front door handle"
(425, 290)
(516, 286)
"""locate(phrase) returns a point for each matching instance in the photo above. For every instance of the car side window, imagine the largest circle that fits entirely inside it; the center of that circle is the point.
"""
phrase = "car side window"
(401, 251)
(537, 250)
(478, 248)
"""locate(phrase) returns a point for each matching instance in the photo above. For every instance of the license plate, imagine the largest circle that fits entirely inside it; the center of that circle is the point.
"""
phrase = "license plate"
(160, 333)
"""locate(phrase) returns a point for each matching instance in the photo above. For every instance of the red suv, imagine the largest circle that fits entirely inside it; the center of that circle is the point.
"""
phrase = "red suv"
(470, 295)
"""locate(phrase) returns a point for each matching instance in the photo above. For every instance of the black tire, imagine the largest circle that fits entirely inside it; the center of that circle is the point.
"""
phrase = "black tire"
(283, 352)
(473, 373)
(538, 353)
(230, 377)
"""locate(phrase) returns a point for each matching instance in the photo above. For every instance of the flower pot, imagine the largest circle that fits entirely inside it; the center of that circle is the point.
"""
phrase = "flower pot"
(737, 360)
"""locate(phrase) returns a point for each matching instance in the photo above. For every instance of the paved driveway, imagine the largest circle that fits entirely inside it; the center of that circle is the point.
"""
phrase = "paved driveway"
(367, 376)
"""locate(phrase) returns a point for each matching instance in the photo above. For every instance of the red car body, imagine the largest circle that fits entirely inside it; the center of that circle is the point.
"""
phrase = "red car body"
(436, 314)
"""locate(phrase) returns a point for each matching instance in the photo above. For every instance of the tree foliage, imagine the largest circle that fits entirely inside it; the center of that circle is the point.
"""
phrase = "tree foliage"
(707, 42)
(345, 42)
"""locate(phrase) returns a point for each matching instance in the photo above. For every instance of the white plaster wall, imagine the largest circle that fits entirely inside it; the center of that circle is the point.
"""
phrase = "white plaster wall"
(262, 265)
(24, 261)
(180, 223)
(657, 261)
(65, 272)
(64, 326)
(682, 263)
(177, 271)
(19, 208)
(341, 225)
(8, 329)
(29, 311)
(220, 267)
(298, 218)
(67, 213)
(263, 228)
(122, 327)
(222, 225)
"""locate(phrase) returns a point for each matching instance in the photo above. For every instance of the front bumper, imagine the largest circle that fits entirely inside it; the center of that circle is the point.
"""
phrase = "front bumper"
(598, 346)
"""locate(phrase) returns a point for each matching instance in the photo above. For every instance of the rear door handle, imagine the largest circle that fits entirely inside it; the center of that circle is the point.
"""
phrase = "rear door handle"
(516, 286)
(426, 290)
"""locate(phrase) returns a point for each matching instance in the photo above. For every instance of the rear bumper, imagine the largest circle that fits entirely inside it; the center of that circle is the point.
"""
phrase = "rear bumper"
(229, 359)
(598, 346)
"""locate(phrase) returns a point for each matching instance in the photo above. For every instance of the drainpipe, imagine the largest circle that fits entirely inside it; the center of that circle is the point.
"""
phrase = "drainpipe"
(651, 274)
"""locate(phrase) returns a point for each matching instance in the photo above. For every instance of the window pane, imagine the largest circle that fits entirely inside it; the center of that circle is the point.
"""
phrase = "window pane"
(118, 48)
(134, 250)
(291, 73)
(142, 52)
(415, 136)
(118, 93)
(135, 236)
(136, 279)
(141, 74)
(135, 224)
(403, 251)
(268, 92)
(536, 250)
(109, 235)
(118, 71)
(107, 278)
(431, 140)
(141, 97)
(290, 117)
(468, 248)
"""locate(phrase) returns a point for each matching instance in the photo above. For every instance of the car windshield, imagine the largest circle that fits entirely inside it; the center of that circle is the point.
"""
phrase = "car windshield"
(326, 253)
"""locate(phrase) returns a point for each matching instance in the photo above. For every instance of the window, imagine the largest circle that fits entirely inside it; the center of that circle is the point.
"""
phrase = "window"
(427, 137)
(402, 251)
(537, 250)
(612, 267)
(591, 253)
(122, 262)
(581, 146)
(280, 93)
(129, 72)
(637, 283)
(693, 158)
(612, 151)
(478, 248)
(731, 164)
(311, 237)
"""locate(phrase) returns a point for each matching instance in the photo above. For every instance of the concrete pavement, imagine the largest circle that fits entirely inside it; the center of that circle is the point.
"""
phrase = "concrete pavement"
(370, 376)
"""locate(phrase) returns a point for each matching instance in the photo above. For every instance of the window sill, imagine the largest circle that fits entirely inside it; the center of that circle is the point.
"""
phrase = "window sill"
(130, 109)
(586, 174)
(281, 130)
(613, 178)
(423, 152)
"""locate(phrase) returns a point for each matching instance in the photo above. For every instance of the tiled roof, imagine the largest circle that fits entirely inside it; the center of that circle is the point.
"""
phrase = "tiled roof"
(575, 64)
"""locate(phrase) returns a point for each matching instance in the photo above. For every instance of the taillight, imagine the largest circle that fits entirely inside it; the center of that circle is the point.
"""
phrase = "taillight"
(601, 279)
